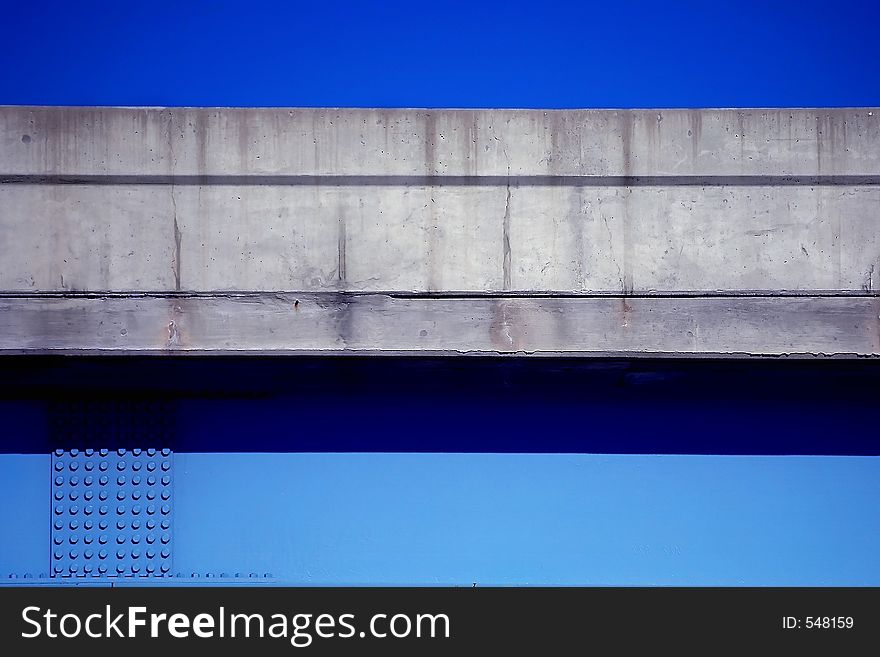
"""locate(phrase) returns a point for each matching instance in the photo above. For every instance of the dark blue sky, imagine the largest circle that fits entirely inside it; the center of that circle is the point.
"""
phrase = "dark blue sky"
(441, 54)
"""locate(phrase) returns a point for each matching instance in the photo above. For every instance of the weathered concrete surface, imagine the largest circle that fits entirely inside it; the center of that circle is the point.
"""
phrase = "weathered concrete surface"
(375, 324)
(420, 201)
(447, 231)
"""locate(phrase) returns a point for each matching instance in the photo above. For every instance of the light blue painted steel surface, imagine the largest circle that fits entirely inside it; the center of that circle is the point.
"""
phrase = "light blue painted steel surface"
(531, 519)
(509, 519)
(25, 514)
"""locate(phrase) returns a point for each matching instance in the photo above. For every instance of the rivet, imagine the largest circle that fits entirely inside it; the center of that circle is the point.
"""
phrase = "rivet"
(121, 451)
(102, 466)
(59, 465)
(120, 509)
(120, 480)
(103, 452)
(166, 480)
(120, 466)
(74, 481)
(73, 466)
(104, 480)
(74, 452)
(136, 451)
(102, 539)
(102, 495)
(88, 495)
(59, 481)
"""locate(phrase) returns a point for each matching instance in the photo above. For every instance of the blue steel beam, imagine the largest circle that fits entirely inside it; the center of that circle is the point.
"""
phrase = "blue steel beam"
(509, 519)
(331, 472)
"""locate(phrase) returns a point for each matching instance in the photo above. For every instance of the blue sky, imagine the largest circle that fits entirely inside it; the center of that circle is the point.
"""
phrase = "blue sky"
(441, 54)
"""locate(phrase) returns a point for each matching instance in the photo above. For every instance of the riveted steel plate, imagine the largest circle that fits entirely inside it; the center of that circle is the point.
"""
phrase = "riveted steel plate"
(112, 513)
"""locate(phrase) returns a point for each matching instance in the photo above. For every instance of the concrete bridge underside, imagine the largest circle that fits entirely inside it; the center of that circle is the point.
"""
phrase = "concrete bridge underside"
(651, 232)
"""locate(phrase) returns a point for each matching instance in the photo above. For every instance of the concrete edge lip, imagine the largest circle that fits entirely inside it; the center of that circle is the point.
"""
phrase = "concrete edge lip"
(383, 325)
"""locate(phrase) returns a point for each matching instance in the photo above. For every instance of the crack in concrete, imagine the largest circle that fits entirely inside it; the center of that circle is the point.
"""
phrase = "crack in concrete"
(505, 231)
(611, 253)
(177, 234)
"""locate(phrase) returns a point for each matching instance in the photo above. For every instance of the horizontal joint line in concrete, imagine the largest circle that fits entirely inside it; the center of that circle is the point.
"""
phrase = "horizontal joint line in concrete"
(381, 180)
(452, 295)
